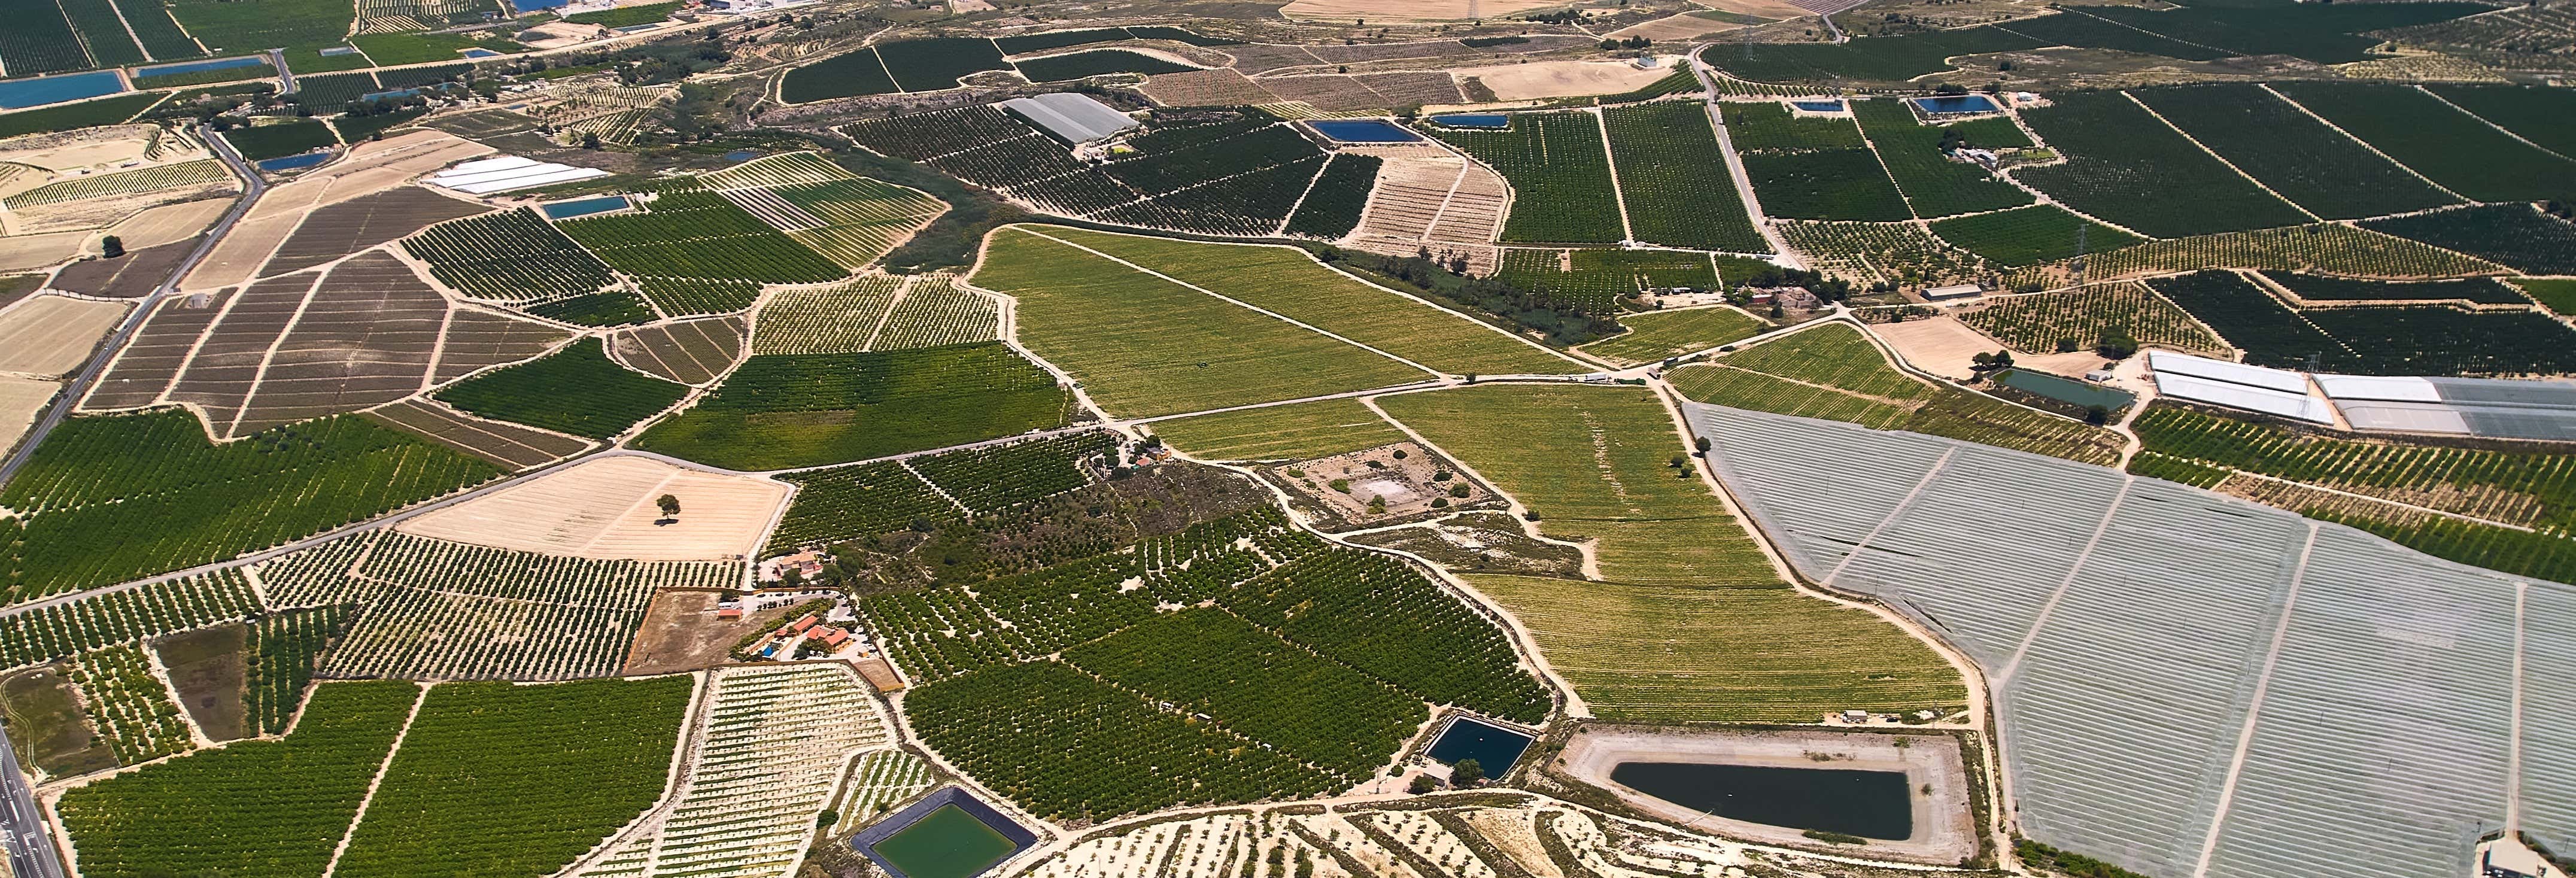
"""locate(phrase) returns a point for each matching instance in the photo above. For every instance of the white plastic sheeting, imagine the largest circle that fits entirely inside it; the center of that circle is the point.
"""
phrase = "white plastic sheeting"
(2156, 650)
(2343, 387)
(2270, 402)
(2403, 417)
(2282, 380)
(505, 173)
(1075, 118)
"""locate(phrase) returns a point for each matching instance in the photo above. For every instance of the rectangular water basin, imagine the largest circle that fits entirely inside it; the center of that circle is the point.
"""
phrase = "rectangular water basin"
(1949, 104)
(483, 53)
(1474, 120)
(1818, 106)
(199, 66)
(585, 207)
(2066, 390)
(1363, 131)
(1493, 747)
(295, 162)
(42, 90)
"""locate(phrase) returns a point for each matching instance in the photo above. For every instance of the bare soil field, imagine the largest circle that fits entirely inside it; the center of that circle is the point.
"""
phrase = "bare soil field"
(1259, 58)
(22, 252)
(169, 223)
(151, 359)
(87, 147)
(681, 633)
(1405, 10)
(206, 666)
(1559, 79)
(690, 352)
(604, 508)
(1944, 829)
(507, 444)
(369, 168)
(21, 399)
(359, 223)
(1222, 86)
(477, 339)
(131, 276)
(51, 336)
(1685, 27)
(1428, 197)
(364, 338)
(1939, 345)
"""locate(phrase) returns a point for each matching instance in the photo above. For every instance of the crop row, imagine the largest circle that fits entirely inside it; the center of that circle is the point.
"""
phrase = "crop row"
(878, 782)
(935, 311)
(1870, 252)
(1936, 184)
(1332, 208)
(2125, 166)
(1597, 280)
(2518, 236)
(2374, 340)
(2330, 248)
(855, 501)
(701, 235)
(128, 706)
(2080, 317)
(131, 615)
(2536, 488)
(1249, 204)
(2326, 288)
(576, 390)
(1560, 176)
(1675, 193)
(999, 476)
(2031, 235)
(510, 256)
(155, 179)
(281, 651)
(694, 296)
(783, 169)
(832, 319)
(2303, 159)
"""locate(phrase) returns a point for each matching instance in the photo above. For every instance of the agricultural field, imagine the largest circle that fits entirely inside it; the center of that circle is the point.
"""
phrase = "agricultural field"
(1341, 193)
(1297, 431)
(846, 502)
(2053, 322)
(2332, 248)
(1811, 168)
(258, 142)
(2513, 235)
(879, 781)
(1894, 58)
(849, 74)
(2373, 340)
(1934, 184)
(2303, 159)
(2030, 235)
(2125, 166)
(2447, 146)
(691, 352)
(833, 319)
(612, 308)
(696, 234)
(1833, 372)
(510, 256)
(1099, 62)
(576, 390)
(128, 706)
(1145, 347)
(1597, 281)
(936, 311)
(1557, 169)
(1655, 335)
(281, 650)
(1675, 195)
(114, 497)
(65, 630)
(794, 410)
(2318, 288)
(693, 296)
(2557, 294)
(1292, 284)
(1866, 253)
(496, 779)
(991, 478)
(2537, 115)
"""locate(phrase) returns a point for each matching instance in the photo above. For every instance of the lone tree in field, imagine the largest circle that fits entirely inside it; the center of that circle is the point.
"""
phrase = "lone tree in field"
(111, 246)
(670, 505)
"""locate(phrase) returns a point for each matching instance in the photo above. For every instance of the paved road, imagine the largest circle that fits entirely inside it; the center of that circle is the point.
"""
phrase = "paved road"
(98, 361)
(31, 848)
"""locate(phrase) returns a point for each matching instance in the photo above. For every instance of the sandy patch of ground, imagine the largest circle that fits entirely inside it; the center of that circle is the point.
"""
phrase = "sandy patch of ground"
(1407, 10)
(1408, 478)
(1944, 830)
(1681, 28)
(1559, 79)
(106, 146)
(51, 336)
(605, 509)
(681, 633)
(21, 399)
(1939, 345)
(169, 222)
(1764, 8)
(21, 252)
(369, 168)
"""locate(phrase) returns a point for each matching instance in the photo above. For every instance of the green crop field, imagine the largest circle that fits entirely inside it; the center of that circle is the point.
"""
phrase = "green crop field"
(1297, 431)
(2045, 322)
(1832, 372)
(258, 142)
(1595, 462)
(302, 27)
(104, 111)
(1287, 282)
(1934, 185)
(1560, 177)
(795, 410)
(697, 234)
(1144, 347)
(2126, 167)
(2544, 116)
(2030, 235)
(848, 74)
(2297, 156)
(1596, 280)
(1811, 168)
(497, 779)
(1884, 59)
(1643, 653)
(2334, 248)
(2452, 148)
(1677, 191)
(114, 497)
(2557, 294)
(2514, 235)
(576, 390)
(255, 807)
(1654, 335)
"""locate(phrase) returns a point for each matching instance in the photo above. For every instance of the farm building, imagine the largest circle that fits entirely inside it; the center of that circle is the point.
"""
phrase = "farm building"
(2236, 385)
(1071, 118)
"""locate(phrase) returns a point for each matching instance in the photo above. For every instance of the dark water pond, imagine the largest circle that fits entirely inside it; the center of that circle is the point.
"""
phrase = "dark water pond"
(1492, 747)
(1869, 804)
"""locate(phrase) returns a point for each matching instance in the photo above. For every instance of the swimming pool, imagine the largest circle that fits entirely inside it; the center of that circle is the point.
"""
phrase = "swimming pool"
(1818, 106)
(198, 66)
(1363, 131)
(17, 93)
(295, 162)
(1474, 120)
(1946, 104)
(585, 206)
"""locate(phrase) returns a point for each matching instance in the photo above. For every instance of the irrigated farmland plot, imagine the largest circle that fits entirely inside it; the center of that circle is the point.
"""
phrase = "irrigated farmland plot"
(689, 351)
(698, 234)
(2333, 248)
(508, 257)
(253, 806)
(494, 779)
(575, 390)
(2297, 156)
(935, 311)
(436, 609)
(2514, 235)
(1596, 281)
(1144, 346)
(128, 705)
(854, 501)
(1671, 177)
(1811, 168)
(2455, 149)
(1654, 335)
(776, 738)
(1298, 431)
(60, 631)
(794, 410)
(2030, 235)
(2546, 117)
(834, 319)
(1333, 207)
(1292, 284)
(2125, 166)
(2046, 322)
(1833, 372)
(508, 445)
(1934, 183)
(111, 498)
(2373, 340)
(1901, 253)
(1560, 177)
(359, 223)
(604, 508)
(280, 651)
